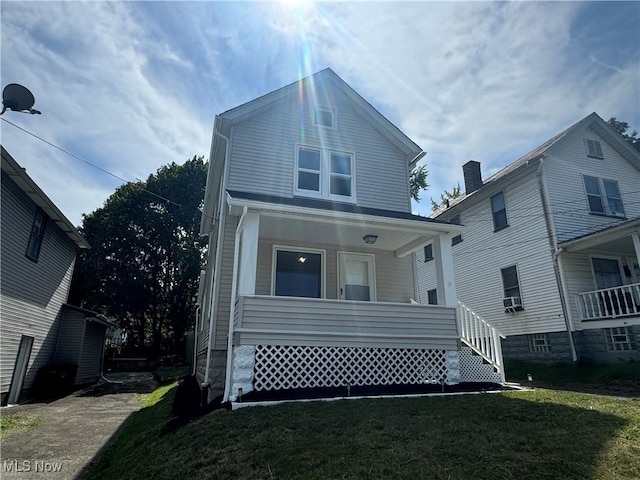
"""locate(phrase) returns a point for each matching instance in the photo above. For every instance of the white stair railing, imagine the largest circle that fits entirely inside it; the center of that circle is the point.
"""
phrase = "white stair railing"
(481, 336)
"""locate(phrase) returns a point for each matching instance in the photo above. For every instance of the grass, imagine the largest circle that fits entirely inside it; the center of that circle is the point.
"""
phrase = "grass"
(539, 434)
(167, 375)
(11, 424)
(619, 379)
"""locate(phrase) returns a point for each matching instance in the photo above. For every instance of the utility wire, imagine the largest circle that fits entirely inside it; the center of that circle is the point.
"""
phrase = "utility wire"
(89, 163)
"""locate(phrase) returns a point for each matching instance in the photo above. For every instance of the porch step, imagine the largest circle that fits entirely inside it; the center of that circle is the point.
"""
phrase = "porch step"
(475, 368)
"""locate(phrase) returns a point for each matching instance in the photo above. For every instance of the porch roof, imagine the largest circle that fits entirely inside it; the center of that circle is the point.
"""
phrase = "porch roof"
(612, 234)
(320, 221)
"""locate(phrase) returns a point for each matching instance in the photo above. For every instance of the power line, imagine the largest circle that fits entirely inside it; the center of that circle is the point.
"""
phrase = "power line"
(89, 163)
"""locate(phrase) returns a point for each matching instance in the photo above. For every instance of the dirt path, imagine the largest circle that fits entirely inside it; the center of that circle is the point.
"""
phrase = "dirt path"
(72, 430)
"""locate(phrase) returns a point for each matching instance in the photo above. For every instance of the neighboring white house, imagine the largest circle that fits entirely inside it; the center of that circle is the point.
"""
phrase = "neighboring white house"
(551, 252)
(38, 251)
(310, 275)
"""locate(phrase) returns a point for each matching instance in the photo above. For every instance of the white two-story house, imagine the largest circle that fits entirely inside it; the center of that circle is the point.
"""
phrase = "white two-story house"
(310, 286)
(551, 252)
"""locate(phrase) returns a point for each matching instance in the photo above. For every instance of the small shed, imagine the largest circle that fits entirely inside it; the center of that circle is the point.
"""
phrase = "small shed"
(81, 342)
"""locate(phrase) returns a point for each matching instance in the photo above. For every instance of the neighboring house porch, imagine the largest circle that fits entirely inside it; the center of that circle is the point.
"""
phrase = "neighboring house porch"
(323, 296)
(602, 276)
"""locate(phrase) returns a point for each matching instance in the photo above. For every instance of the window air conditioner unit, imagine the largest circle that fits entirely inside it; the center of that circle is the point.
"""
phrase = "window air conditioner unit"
(512, 303)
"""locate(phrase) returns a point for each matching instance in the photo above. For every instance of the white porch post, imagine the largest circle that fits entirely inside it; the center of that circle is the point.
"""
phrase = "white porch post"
(446, 285)
(248, 254)
(636, 245)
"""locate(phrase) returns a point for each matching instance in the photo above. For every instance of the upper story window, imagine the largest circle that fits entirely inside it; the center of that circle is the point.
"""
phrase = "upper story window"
(428, 252)
(37, 233)
(324, 116)
(603, 196)
(594, 149)
(499, 212)
(458, 238)
(324, 173)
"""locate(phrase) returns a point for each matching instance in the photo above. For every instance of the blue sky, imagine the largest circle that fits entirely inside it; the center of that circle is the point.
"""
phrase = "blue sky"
(131, 86)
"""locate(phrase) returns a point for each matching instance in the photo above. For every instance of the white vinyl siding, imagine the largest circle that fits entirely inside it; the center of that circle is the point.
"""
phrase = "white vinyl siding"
(478, 260)
(32, 292)
(226, 279)
(564, 169)
(263, 152)
(285, 321)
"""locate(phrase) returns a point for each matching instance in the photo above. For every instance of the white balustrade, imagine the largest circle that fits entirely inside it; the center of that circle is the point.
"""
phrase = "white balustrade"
(623, 301)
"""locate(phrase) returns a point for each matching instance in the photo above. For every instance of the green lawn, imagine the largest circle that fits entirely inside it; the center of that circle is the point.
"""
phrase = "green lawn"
(540, 434)
(11, 423)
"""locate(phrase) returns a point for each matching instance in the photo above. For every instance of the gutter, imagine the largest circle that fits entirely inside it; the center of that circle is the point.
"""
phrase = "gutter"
(195, 339)
(557, 268)
(215, 285)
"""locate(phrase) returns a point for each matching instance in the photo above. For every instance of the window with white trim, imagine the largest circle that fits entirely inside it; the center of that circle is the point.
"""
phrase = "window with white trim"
(619, 339)
(594, 149)
(603, 196)
(499, 212)
(37, 234)
(539, 343)
(432, 297)
(324, 116)
(324, 173)
(297, 273)
(511, 288)
(428, 252)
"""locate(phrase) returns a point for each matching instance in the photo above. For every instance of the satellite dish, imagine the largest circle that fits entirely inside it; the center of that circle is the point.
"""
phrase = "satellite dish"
(18, 98)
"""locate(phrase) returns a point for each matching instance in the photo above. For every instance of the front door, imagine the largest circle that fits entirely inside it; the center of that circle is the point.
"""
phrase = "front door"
(20, 370)
(356, 277)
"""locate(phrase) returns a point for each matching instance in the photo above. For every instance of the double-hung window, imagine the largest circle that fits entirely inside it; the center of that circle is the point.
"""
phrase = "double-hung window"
(603, 196)
(511, 286)
(326, 173)
(499, 212)
(37, 234)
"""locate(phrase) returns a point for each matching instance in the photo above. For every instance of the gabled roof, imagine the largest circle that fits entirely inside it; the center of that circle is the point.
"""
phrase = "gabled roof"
(592, 120)
(393, 133)
(35, 193)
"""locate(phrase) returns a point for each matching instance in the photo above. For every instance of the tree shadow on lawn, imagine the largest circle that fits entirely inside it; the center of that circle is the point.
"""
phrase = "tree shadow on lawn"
(537, 435)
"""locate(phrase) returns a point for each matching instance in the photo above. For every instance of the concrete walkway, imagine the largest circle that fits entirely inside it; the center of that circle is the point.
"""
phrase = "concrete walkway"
(72, 430)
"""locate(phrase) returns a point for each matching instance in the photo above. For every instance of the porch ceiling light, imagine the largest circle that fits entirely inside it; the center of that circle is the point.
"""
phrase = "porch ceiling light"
(370, 239)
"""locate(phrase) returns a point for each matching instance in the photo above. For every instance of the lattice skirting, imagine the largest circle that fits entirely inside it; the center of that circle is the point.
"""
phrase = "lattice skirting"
(283, 367)
(473, 368)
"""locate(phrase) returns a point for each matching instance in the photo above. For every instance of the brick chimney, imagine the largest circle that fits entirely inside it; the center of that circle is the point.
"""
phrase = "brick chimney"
(472, 176)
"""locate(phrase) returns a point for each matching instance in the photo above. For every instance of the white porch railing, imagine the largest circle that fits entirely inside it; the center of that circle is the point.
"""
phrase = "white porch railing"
(623, 301)
(481, 336)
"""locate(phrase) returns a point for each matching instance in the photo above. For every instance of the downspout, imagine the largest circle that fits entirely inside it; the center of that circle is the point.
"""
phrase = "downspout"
(195, 339)
(215, 287)
(557, 270)
(232, 308)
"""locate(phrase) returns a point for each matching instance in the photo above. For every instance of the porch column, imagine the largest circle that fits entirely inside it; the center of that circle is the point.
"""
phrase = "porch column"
(446, 285)
(248, 254)
(636, 245)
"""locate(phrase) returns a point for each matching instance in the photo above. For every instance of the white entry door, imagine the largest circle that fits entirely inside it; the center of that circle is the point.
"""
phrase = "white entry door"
(356, 273)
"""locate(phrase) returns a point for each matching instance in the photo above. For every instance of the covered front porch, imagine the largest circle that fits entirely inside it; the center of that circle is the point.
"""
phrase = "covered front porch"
(324, 298)
(603, 275)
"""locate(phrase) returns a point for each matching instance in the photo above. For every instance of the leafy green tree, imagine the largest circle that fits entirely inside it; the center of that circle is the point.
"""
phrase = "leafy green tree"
(418, 181)
(446, 197)
(621, 128)
(144, 266)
